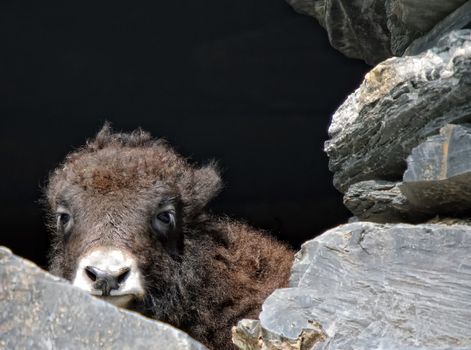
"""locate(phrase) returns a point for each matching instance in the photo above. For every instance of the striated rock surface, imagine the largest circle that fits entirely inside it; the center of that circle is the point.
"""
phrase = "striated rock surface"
(459, 19)
(381, 201)
(437, 182)
(400, 150)
(410, 19)
(400, 103)
(355, 28)
(40, 311)
(438, 175)
(372, 286)
(376, 29)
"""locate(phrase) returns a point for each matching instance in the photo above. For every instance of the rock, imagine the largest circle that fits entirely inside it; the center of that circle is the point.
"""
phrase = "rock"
(450, 220)
(437, 181)
(459, 19)
(441, 156)
(376, 29)
(438, 175)
(356, 30)
(400, 103)
(381, 201)
(40, 311)
(246, 335)
(410, 19)
(314, 8)
(376, 286)
(249, 335)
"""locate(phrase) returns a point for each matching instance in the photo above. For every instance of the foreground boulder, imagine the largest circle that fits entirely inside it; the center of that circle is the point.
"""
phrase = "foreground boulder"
(372, 286)
(40, 311)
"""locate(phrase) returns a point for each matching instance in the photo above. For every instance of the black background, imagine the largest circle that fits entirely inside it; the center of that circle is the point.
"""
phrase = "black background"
(249, 83)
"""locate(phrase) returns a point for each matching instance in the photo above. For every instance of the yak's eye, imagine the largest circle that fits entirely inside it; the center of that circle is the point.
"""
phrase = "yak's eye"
(163, 221)
(64, 222)
(166, 229)
(63, 218)
(165, 217)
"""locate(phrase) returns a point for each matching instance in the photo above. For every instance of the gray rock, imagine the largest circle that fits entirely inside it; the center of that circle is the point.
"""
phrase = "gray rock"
(381, 201)
(410, 19)
(40, 311)
(314, 8)
(438, 175)
(459, 19)
(356, 29)
(400, 103)
(374, 30)
(374, 286)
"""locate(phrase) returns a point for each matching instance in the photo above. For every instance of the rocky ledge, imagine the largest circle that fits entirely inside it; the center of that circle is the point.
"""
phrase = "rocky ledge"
(400, 103)
(41, 311)
(399, 146)
(372, 286)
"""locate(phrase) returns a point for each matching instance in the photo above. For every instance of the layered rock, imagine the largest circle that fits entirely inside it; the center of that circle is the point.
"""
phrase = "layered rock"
(382, 201)
(371, 286)
(356, 30)
(437, 182)
(377, 29)
(458, 19)
(400, 150)
(41, 311)
(401, 102)
(411, 19)
(438, 175)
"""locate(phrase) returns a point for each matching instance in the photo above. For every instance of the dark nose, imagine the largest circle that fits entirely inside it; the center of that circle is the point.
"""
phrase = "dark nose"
(105, 281)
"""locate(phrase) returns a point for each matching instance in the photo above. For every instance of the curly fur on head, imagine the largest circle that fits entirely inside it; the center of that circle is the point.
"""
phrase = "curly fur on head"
(202, 273)
(118, 161)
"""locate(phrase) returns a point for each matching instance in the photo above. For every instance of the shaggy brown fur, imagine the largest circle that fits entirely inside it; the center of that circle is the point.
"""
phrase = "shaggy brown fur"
(209, 274)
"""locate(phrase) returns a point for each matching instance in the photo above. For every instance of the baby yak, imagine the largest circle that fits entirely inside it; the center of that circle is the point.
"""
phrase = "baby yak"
(129, 226)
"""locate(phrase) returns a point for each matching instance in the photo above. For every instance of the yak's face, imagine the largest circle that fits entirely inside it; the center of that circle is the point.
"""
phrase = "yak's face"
(118, 213)
(111, 241)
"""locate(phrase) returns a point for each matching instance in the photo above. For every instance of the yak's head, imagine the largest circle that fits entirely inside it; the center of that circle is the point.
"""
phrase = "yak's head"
(119, 210)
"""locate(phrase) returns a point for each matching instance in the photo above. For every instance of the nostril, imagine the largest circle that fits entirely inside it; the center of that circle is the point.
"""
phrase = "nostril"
(91, 273)
(123, 275)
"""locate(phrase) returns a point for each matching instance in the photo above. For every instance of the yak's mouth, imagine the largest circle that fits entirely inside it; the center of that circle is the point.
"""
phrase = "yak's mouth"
(123, 300)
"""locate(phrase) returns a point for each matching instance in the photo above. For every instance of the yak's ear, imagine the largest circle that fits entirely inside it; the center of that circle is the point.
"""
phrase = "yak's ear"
(206, 185)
